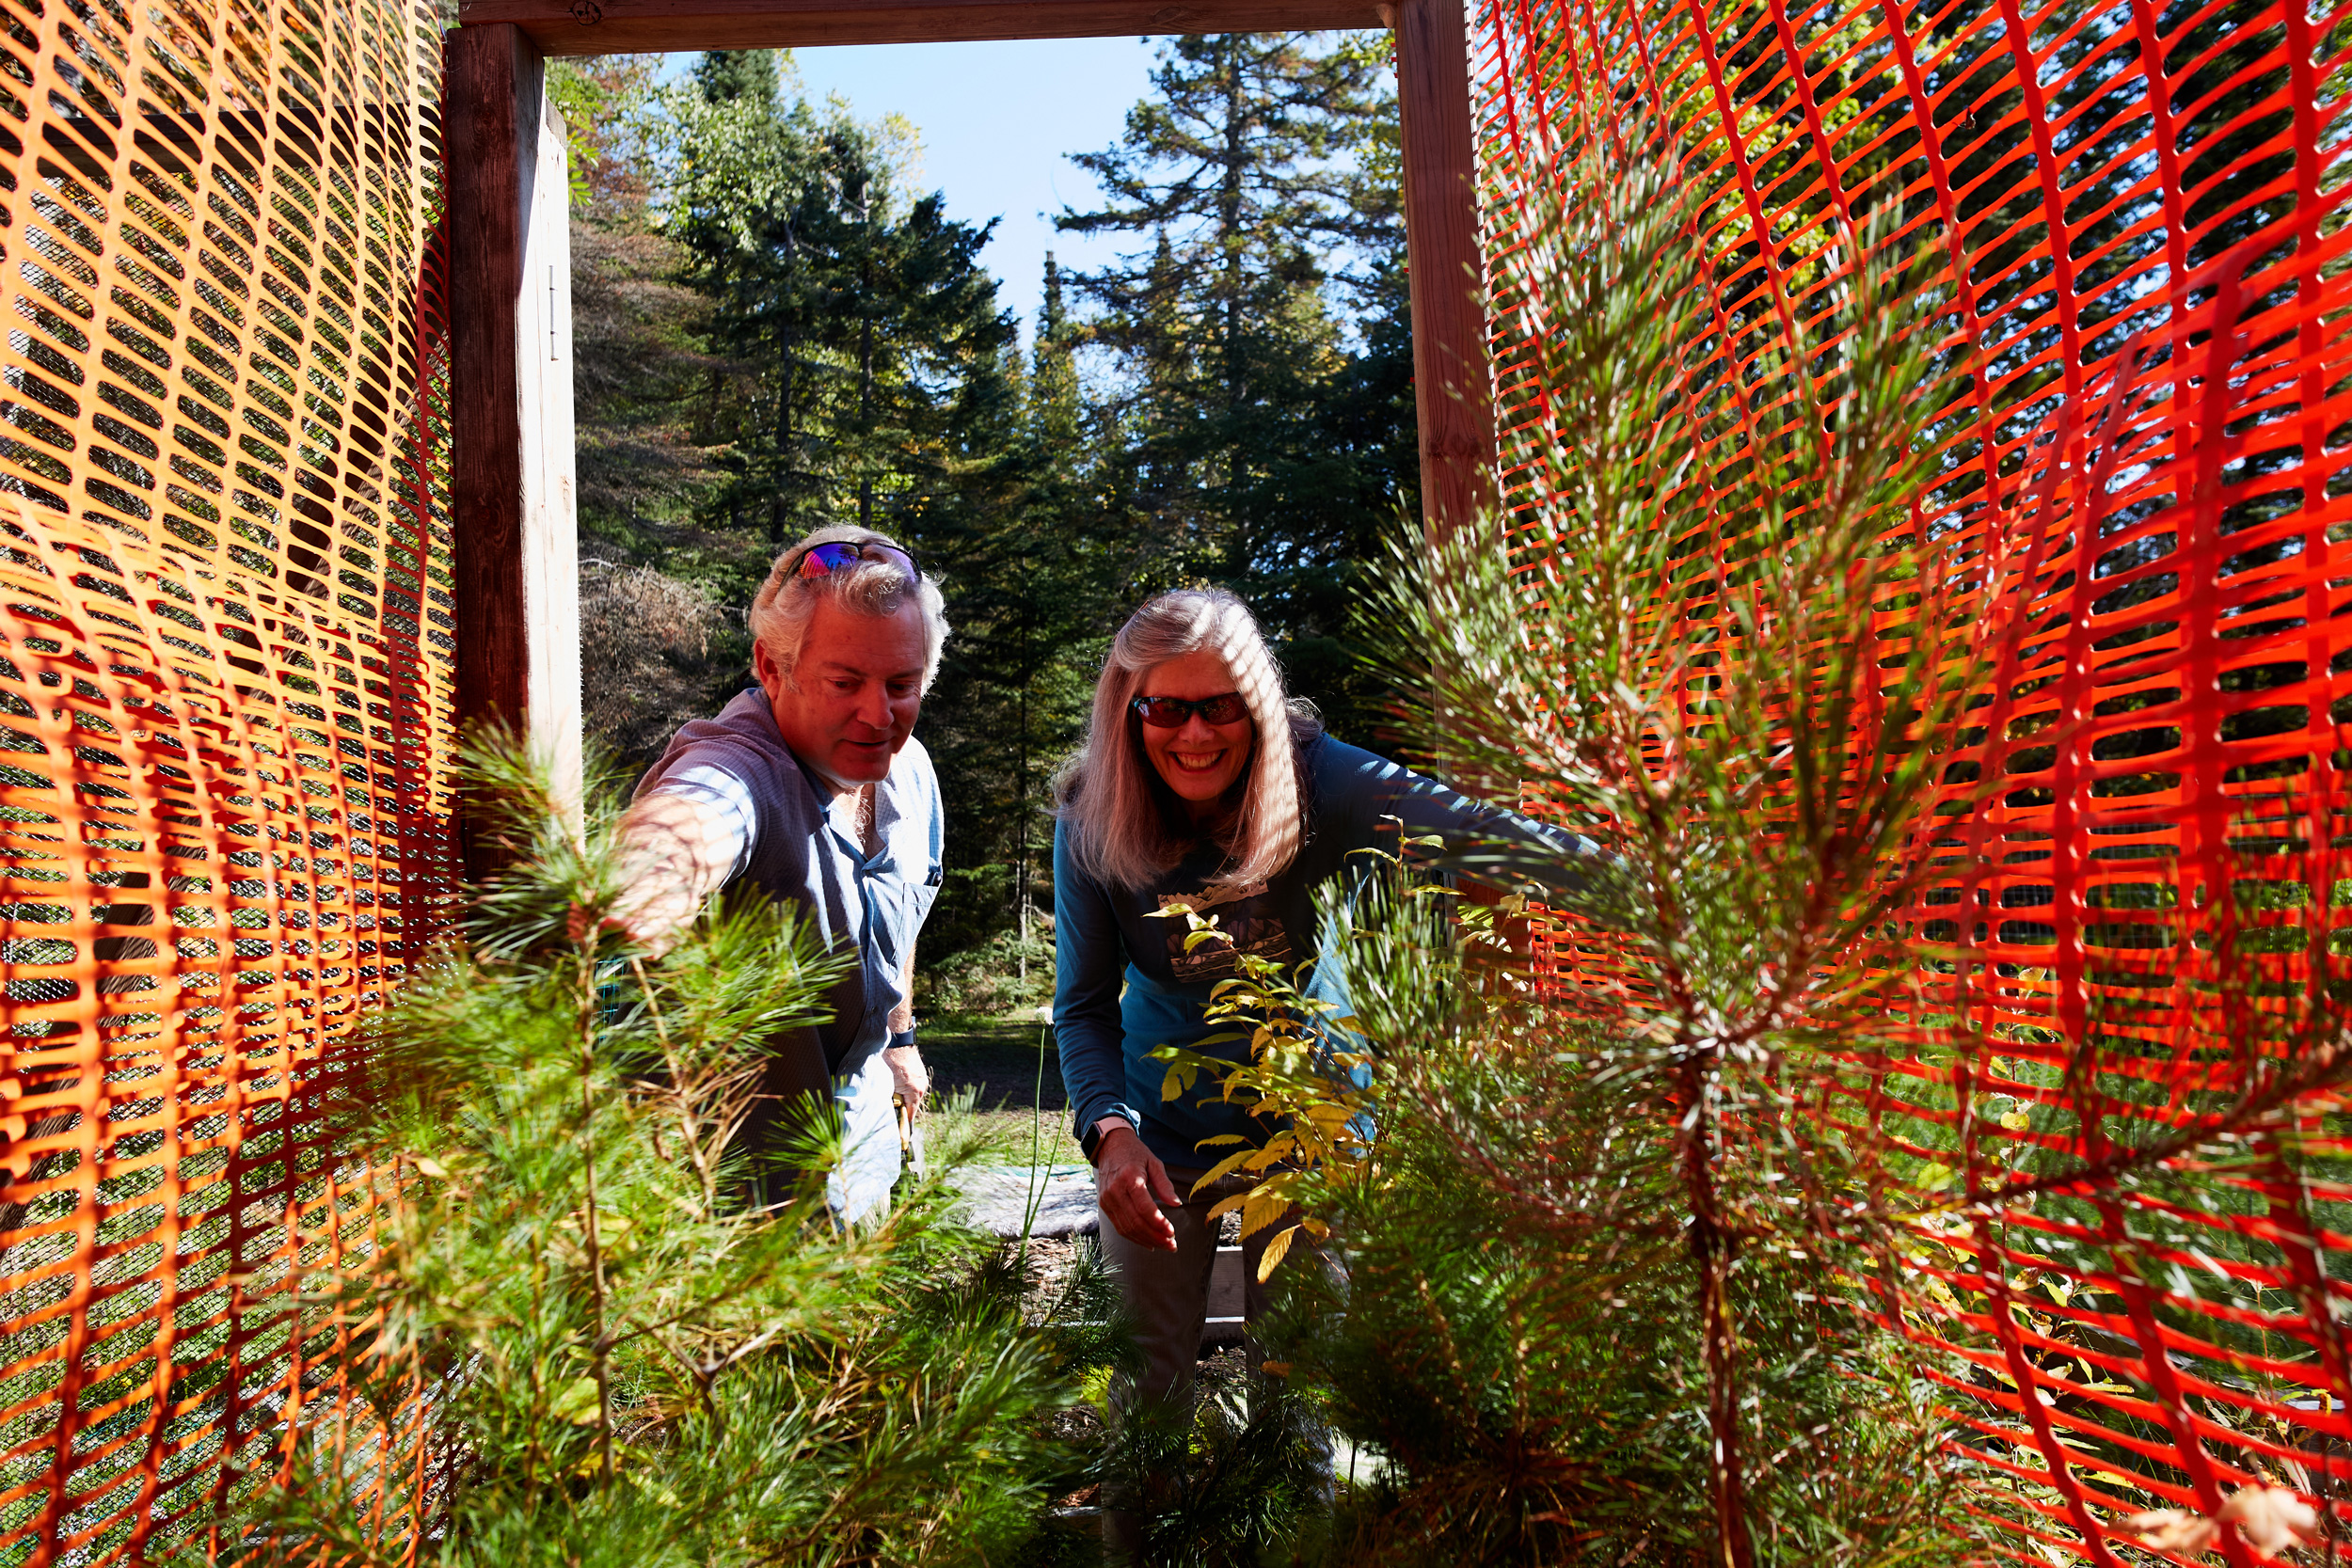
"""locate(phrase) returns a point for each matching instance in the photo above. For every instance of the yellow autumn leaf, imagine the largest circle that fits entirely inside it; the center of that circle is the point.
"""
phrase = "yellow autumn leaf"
(1262, 1209)
(1223, 1168)
(1275, 1251)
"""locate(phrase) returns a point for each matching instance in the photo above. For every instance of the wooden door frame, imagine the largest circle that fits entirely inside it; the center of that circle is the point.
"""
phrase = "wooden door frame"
(510, 393)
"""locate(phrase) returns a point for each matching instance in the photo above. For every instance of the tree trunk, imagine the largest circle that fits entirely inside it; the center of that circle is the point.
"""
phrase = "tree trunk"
(1229, 240)
(786, 365)
(1712, 1251)
(865, 392)
(1020, 775)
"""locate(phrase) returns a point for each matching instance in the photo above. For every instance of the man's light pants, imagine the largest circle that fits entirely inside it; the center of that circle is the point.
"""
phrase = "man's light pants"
(859, 1187)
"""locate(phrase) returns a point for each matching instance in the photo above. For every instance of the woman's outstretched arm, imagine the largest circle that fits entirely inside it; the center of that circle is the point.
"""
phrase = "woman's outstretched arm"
(1088, 966)
(1488, 844)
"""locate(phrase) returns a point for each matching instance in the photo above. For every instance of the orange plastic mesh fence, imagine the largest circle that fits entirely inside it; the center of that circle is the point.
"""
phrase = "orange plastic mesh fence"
(2153, 908)
(224, 754)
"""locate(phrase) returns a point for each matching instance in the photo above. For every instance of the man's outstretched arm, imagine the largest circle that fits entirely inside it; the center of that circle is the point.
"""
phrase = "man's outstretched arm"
(676, 851)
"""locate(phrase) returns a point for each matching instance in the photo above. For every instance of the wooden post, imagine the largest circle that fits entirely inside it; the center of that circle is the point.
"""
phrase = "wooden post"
(512, 490)
(1452, 390)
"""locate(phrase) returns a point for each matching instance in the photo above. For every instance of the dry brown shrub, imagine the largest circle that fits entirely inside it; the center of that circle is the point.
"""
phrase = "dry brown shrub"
(649, 647)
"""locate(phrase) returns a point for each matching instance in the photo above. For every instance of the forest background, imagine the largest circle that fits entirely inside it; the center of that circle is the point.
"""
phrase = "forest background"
(775, 327)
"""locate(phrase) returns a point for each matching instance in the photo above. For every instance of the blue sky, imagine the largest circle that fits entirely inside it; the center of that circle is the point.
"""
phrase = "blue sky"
(997, 121)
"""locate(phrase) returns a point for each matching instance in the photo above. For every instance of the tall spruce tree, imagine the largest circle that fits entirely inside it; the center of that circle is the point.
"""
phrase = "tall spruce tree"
(1262, 339)
(849, 317)
(1035, 566)
(1240, 169)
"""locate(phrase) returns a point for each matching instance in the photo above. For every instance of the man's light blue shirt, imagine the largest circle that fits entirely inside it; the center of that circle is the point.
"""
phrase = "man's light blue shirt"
(785, 841)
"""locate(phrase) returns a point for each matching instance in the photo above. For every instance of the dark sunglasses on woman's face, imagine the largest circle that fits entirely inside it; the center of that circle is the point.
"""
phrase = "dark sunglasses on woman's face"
(841, 554)
(1167, 713)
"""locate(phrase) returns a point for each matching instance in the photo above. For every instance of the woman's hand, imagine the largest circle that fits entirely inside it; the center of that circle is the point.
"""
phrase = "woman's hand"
(1132, 1185)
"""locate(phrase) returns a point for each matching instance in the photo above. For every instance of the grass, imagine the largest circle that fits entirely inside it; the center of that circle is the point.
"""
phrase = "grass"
(985, 1067)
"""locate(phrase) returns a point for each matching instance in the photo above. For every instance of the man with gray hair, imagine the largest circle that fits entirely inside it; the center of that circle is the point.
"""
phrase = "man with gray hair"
(811, 788)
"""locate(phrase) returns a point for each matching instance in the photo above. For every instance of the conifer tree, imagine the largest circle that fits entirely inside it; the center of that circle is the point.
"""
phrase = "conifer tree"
(580, 1338)
(850, 315)
(1613, 1292)
(637, 349)
(1030, 553)
(1241, 170)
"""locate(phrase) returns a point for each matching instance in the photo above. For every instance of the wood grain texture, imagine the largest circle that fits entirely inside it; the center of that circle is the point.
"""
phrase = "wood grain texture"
(1453, 389)
(482, 144)
(549, 535)
(516, 558)
(609, 26)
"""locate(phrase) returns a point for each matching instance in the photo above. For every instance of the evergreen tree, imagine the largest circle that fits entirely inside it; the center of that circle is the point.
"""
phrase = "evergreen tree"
(849, 317)
(1035, 570)
(658, 647)
(1608, 1267)
(1242, 171)
(1264, 339)
(576, 1315)
(1323, 500)
(637, 349)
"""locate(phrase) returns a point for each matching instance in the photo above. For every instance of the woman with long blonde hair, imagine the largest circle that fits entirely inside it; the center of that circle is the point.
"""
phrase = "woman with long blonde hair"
(1200, 783)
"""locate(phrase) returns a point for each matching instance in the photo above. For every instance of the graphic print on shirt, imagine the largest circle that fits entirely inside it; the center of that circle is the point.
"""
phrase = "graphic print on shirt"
(1245, 914)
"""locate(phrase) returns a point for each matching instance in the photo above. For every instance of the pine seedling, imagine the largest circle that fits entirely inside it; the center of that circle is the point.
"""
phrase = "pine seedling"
(1623, 1285)
(1601, 1300)
(593, 1330)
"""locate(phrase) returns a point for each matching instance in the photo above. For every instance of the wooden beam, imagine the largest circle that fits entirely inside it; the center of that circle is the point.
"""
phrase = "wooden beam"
(512, 491)
(1453, 386)
(615, 27)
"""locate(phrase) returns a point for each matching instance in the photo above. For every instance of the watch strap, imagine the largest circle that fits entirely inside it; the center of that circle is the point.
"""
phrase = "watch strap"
(1091, 1135)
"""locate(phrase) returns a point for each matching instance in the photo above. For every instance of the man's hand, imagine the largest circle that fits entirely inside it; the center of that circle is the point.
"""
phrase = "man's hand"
(675, 853)
(907, 1075)
(1133, 1184)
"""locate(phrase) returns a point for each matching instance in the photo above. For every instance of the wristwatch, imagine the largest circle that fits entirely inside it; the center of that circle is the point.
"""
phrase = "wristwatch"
(1090, 1140)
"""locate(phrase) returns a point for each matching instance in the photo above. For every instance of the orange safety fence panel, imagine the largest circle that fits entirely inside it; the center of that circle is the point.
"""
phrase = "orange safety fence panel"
(2139, 211)
(224, 720)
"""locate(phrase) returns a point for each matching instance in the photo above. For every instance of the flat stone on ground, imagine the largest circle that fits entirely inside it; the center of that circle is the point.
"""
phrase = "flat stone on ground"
(999, 1198)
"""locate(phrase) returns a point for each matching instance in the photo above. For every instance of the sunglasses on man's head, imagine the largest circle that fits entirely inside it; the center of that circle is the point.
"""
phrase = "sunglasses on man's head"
(1167, 713)
(839, 555)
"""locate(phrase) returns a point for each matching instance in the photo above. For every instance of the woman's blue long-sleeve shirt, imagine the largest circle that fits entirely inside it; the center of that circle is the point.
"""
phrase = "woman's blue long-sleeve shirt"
(1106, 936)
